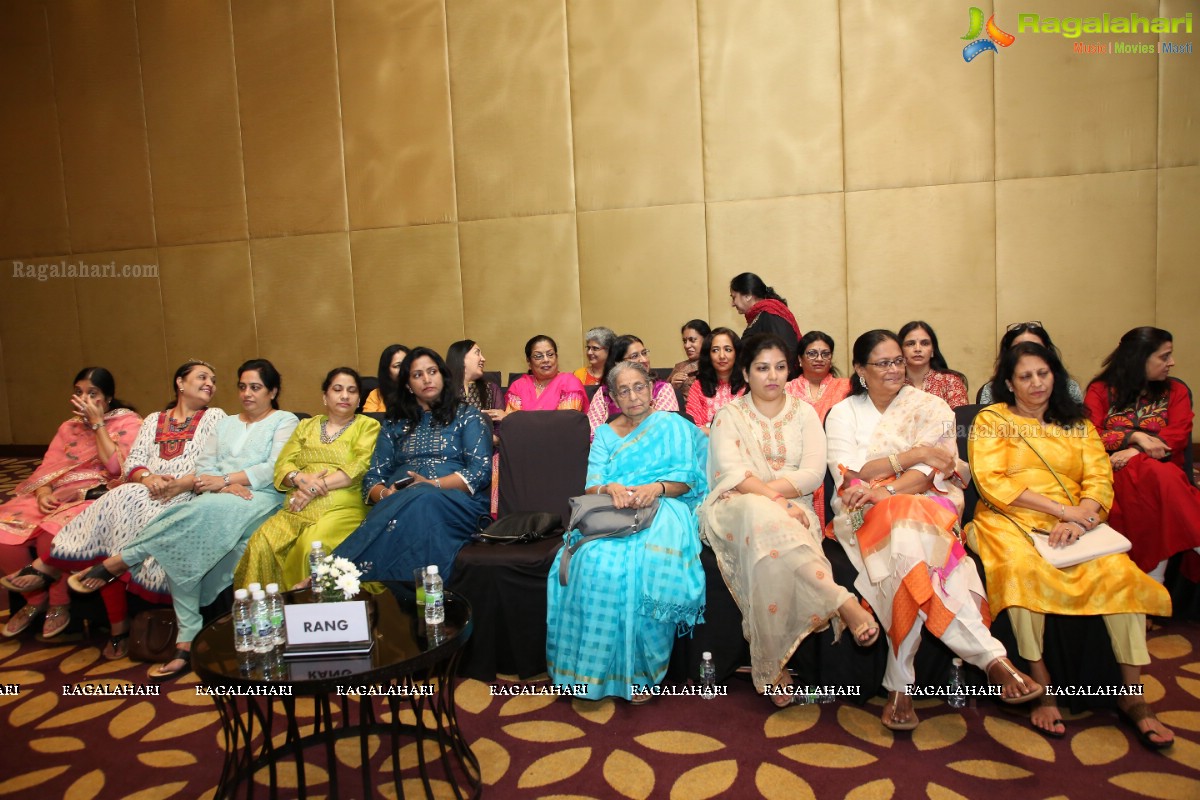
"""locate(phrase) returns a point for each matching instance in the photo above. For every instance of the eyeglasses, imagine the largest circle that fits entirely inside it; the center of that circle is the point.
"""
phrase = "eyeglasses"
(895, 362)
(818, 355)
(1024, 326)
(549, 354)
(637, 388)
(594, 348)
(632, 354)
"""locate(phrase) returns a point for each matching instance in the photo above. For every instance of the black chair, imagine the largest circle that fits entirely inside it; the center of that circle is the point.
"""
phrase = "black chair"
(512, 377)
(543, 463)
(591, 390)
(492, 376)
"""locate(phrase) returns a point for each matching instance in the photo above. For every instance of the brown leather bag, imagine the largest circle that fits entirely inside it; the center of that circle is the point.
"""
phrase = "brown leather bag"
(152, 635)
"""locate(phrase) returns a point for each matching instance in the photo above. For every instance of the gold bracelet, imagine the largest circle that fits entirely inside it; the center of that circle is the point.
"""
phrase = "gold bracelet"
(894, 460)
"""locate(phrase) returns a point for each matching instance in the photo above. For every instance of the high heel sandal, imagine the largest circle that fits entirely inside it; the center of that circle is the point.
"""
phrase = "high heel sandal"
(1030, 689)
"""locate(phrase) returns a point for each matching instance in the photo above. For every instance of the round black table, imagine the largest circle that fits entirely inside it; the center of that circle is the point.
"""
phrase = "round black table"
(416, 673)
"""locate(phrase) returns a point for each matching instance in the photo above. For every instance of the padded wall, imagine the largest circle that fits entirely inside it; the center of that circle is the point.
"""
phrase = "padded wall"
(310, 181)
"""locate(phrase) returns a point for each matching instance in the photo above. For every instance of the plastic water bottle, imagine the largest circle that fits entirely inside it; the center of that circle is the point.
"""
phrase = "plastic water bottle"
(254, 587)
(243, 626)
(315, 556)
(954, 684)
(264, 637)
(708, 676)
(435, 611)
(275, 612)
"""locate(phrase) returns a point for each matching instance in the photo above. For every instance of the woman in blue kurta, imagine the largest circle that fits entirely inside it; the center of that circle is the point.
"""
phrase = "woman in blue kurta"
(198, 544)
(613, 625)
(445, 446)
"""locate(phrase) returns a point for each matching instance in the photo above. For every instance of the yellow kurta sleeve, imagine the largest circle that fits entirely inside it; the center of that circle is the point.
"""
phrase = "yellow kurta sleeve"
(361, 449)
(1097, 470)
(988, 450)
(291, 449)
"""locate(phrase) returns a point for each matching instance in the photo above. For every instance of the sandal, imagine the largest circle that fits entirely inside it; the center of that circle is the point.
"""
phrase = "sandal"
(118, 645)
(159, 672)
(96, 573)
(889, 715)
(24, 618)
(1057, 729)
(56, 621)
(1139, 711)
(1030, 689)
(26, 572)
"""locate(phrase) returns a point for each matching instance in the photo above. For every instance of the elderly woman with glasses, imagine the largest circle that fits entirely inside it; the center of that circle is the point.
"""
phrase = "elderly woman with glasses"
(544, 388)
(597, 343)
(612, 623)
(628, 348)
(1020, 332)
(893, 455)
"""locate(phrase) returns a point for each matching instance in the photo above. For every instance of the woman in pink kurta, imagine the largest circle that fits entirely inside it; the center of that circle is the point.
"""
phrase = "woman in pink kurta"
(820, 387)
(544, 388)
(87, 452)
(717, 381)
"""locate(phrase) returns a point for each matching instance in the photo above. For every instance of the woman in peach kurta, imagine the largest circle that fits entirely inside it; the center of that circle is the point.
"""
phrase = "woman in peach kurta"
(820, 387)
(1039, 465)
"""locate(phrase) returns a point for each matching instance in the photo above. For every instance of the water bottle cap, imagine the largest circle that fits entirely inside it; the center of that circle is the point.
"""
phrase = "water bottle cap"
(254, 587)
(956, 662)
(259, 594)
(241, 594)
(316, 545)
(431, 569)
(707, 656)
(272, 588)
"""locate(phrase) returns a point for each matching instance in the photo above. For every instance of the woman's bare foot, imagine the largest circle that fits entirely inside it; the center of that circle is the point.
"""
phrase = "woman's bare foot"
(1152, 734)
(898, 714)
(1047, 719)
(783, 698)
(861, 623)
(118, 642)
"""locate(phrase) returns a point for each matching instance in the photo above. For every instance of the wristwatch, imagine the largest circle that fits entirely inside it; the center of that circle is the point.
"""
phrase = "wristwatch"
(226, 479)
(96, 426)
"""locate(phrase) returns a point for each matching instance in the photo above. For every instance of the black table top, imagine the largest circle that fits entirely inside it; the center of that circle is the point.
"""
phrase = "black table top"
(401, 649)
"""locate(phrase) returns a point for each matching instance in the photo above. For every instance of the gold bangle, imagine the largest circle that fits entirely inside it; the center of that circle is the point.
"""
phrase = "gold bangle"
(894, 460)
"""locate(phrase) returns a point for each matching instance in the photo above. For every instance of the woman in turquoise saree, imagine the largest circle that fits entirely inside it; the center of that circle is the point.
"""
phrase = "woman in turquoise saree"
(611, 628)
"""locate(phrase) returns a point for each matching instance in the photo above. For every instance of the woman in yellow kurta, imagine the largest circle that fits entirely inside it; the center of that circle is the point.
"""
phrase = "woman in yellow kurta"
(322, 466)
(1039, 464)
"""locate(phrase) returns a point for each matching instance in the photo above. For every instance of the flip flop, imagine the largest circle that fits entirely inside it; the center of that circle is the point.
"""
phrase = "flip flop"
(889, 716)
(1136, 713)
(1032, 690)
(119, 643)
(7, 580)
(96, 573)
(155, 673)
(1059, 727)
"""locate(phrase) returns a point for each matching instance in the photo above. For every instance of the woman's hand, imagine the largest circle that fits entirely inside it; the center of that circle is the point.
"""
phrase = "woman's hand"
(1065, 533)
(1150, 445)
(935, 457)
(239, 490)
(172, 487)
(46, 502)
(299, 500)
(619, 494)
(1120, 458)
(89, 410)
(311, 483)
(208, 483)
(641, 496)
(796, 512)
(155, 484)
(863, 495)
(495, 414)
(1081, 516)
(677, 378)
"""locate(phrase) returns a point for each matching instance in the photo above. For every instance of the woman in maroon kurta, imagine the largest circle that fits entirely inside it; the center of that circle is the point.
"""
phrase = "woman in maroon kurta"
(1145, 419)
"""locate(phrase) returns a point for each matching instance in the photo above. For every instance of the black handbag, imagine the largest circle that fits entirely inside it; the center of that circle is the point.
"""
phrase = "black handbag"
(522, 527)
(595, 516)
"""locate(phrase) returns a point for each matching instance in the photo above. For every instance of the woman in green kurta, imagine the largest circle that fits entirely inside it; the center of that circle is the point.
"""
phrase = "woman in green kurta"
(323, 464)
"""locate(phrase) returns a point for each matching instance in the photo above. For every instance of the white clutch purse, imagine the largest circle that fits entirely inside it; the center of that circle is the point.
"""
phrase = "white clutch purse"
(1100, 541)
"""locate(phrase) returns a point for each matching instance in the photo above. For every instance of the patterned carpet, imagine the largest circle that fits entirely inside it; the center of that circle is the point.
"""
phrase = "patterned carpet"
(170, 746)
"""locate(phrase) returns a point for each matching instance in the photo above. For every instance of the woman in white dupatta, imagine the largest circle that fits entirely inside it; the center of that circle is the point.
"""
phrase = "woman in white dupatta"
(894, 459)
(766, 456)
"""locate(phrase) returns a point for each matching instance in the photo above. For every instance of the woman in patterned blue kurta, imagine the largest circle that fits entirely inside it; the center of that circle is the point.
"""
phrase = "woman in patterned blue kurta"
(613, 625)
(445, 446)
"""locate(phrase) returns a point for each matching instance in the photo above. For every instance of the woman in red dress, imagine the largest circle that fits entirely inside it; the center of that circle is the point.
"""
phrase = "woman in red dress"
(1145, 420)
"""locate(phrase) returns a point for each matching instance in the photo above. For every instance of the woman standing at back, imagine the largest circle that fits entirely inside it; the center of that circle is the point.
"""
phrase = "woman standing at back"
(766, 312)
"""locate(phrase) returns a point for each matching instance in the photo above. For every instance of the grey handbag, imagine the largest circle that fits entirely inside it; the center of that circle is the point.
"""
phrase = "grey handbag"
(595, 517)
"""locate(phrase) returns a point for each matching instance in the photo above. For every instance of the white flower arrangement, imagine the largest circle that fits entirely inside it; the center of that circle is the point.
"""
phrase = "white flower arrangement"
(338, 578)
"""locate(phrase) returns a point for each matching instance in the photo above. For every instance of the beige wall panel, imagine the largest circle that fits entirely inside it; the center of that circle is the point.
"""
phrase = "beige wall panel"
(635, 103)
(39, 325)
(1065, 113)
(1179, 92)
(929, 254)
(641, 271)
(767, 133)
(103, 125)
(1077, 253)
(406, 289)
(33, 207)
(304, 306)
(122, 324)
(797, 245)
(192, 121)
(208, 300)
(511, 107)
(291, 120)
(915, 113)
(1178, 280)
(395, 94)
(520, 277)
